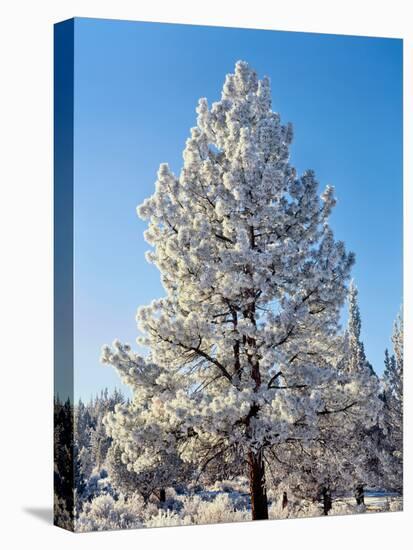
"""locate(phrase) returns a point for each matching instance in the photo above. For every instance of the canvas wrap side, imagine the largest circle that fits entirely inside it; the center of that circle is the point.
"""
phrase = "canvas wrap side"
(64, 452)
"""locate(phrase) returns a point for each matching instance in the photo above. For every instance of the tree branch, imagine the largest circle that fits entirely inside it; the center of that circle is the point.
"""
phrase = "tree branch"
(327, 411)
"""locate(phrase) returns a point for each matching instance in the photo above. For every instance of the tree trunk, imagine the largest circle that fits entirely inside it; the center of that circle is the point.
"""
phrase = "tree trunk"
(327, 504)
(359, 494)
(285, 500)
(259, 503)
(162, 495)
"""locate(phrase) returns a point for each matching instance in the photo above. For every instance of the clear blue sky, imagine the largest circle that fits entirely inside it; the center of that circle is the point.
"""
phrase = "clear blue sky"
(136, 89)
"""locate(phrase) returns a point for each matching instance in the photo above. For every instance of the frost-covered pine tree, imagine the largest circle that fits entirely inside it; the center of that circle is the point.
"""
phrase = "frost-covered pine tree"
(307, 471)
(99, 445)
(254, 281)
(393, 408)
(360, 451)
(123, 480)
(149, 477)
(355, 356)
(82, 425)
(393, 373)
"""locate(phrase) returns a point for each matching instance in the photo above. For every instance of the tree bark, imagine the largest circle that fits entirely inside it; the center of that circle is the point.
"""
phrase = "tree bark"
(285, 500)
(259, 502)
(359, 494)
(327, 504)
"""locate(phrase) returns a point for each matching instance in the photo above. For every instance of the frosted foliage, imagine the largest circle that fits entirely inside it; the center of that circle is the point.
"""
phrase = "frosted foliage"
(356, 356)
(125, 480)
(344, 508)
(242, 345)
(393, 409)
(105, 513)
(393, 374)
(197, 511)
(353, 355)
(220, 510)
(297, 509)
(166, 518)
(360, 452)
(396, 505)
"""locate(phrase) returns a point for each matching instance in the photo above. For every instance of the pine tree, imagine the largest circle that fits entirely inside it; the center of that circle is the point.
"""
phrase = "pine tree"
(393, 408)
(99, 445)
(125, 481)
(356, 357)
(79, 480)
(360, 452)
(64, 471)
(241, 344)
(150, 480)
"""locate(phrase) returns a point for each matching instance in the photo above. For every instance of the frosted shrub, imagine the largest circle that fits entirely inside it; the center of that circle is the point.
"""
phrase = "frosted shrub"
(167, 518)
(275, 511)
(143, 509)
(104, 512)
(298, 509)
(307, 509)
(220, 510)
(190, 505)
(341, 508)
(396, 505)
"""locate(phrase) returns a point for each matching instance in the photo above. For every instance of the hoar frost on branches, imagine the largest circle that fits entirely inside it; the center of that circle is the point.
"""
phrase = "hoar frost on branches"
(359, 451)
(344, 454)
(393, 408)
(242, 345)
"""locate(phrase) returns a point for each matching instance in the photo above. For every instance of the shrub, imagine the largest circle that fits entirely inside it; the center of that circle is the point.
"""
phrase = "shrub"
(396, 505)
(167, 518)
(104, 512)
(220, 510)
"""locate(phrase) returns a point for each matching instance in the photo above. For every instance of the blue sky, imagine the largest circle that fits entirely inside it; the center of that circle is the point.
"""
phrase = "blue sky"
(136, 89)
